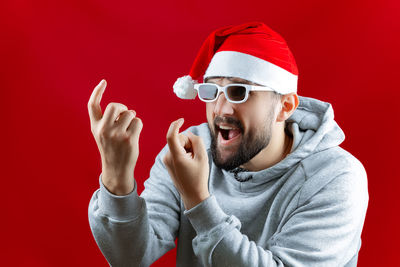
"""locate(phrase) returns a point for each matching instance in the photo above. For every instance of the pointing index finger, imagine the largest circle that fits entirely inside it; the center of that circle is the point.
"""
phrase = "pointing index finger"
(172, 136)
(94, 107)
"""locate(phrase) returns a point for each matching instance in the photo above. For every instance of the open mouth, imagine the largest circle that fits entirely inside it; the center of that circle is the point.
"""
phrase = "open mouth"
(228, 133)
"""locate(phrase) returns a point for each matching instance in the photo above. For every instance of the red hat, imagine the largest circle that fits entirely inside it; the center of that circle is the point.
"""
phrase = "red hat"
(250, 51)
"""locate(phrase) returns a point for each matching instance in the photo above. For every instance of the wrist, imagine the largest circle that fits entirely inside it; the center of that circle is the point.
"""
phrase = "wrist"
(117, 185)
(194, 200)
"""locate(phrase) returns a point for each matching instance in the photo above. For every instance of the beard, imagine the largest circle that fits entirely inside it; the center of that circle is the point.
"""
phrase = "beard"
(250, 145)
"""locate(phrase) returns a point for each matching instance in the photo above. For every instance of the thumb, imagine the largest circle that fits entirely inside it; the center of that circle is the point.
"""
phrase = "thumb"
(198, 147)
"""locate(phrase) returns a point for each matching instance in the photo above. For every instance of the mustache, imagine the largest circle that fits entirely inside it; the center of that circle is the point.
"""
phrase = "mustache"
(228, 120)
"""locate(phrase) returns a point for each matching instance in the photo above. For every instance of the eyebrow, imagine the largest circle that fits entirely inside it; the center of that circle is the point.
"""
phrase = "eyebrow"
(232, 79)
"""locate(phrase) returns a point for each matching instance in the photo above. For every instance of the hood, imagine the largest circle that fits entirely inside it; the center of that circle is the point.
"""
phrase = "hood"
(313, 126)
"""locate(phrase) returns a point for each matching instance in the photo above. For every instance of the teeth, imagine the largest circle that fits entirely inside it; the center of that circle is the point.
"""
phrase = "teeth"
(226, 127)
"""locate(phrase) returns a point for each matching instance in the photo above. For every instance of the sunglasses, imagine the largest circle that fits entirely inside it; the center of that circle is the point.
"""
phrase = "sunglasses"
(234, 93)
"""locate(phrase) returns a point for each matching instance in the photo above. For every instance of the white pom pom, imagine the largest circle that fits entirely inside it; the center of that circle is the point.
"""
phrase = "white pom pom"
(184, 87)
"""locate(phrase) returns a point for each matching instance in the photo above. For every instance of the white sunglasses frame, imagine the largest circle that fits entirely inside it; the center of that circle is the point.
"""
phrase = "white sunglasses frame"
(223, 89)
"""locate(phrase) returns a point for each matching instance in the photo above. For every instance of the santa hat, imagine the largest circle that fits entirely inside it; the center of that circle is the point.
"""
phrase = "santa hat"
(251, 51)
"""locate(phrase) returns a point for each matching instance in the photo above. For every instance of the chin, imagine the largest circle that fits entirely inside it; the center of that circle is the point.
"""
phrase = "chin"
(226, 160)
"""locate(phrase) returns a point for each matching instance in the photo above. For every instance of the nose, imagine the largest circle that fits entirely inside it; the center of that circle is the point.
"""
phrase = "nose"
(223, 106)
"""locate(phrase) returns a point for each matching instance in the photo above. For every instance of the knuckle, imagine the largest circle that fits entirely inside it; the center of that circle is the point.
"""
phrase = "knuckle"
(111, 106)
(120, 106)
(123, 115)
(137, 122)
(115, 106)
(128, 114)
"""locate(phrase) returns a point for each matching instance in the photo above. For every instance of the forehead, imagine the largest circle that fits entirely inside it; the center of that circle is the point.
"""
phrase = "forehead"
(231, 79)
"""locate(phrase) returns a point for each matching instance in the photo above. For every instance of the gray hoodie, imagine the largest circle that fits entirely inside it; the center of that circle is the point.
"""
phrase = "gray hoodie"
(306, 210)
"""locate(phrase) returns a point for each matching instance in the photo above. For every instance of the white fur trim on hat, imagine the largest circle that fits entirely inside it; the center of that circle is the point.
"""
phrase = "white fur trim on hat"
(184, 87)
(251, 68)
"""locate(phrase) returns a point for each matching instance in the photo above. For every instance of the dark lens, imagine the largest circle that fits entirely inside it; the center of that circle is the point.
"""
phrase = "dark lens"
(236, 92)
(208, 91)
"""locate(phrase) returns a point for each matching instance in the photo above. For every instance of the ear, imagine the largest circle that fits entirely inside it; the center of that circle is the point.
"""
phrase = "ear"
(289, 103)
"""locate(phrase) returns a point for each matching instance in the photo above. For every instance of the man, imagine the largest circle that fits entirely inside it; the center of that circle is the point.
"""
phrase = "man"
(262, 183)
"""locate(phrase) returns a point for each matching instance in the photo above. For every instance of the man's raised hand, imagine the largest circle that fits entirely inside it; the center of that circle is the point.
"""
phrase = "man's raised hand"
(187, 164)
(117, 134)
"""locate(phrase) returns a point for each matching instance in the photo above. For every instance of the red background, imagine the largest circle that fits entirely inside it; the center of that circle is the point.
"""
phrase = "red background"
(53, 53)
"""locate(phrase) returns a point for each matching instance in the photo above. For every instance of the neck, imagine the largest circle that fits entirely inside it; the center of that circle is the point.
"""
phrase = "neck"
(277, 149)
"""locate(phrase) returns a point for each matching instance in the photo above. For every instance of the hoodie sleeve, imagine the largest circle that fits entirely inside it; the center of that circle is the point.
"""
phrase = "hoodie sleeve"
(134, 230)
(324, 229)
